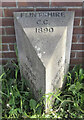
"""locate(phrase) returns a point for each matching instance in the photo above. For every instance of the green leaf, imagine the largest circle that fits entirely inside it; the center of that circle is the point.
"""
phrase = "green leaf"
(32, 104)
(72, 87)
(81, 71)
(11, 102)
(33, 116)
(79, 86)
(16, 74)
(2, 76)
(81, 75)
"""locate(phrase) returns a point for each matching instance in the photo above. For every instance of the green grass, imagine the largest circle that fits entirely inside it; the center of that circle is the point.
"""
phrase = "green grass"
(18, 101)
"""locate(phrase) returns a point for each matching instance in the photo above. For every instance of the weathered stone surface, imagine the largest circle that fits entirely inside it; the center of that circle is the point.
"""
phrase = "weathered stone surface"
(44, 44)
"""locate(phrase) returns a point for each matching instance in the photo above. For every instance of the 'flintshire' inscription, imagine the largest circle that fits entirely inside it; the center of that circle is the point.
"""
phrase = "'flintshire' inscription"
(43, 14)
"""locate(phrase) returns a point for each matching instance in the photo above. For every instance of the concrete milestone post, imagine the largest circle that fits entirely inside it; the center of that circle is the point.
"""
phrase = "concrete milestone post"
(44, 44)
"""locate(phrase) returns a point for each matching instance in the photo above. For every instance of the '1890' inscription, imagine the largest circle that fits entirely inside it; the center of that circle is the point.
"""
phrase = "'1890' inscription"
(44, 30)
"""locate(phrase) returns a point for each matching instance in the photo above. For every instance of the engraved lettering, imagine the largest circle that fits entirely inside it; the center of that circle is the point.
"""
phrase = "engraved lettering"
(45, 22)
(38, 22)
(43, 14)
(44, 30)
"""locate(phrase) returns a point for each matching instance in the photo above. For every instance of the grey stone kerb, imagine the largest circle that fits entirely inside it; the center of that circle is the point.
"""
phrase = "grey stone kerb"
(44, 44)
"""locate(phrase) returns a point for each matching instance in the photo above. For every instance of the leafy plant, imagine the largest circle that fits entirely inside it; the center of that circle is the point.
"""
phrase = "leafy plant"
(69, 102)
(18, 101)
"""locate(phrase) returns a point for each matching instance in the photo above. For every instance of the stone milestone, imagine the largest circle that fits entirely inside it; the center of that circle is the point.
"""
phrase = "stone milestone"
(44, 44)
